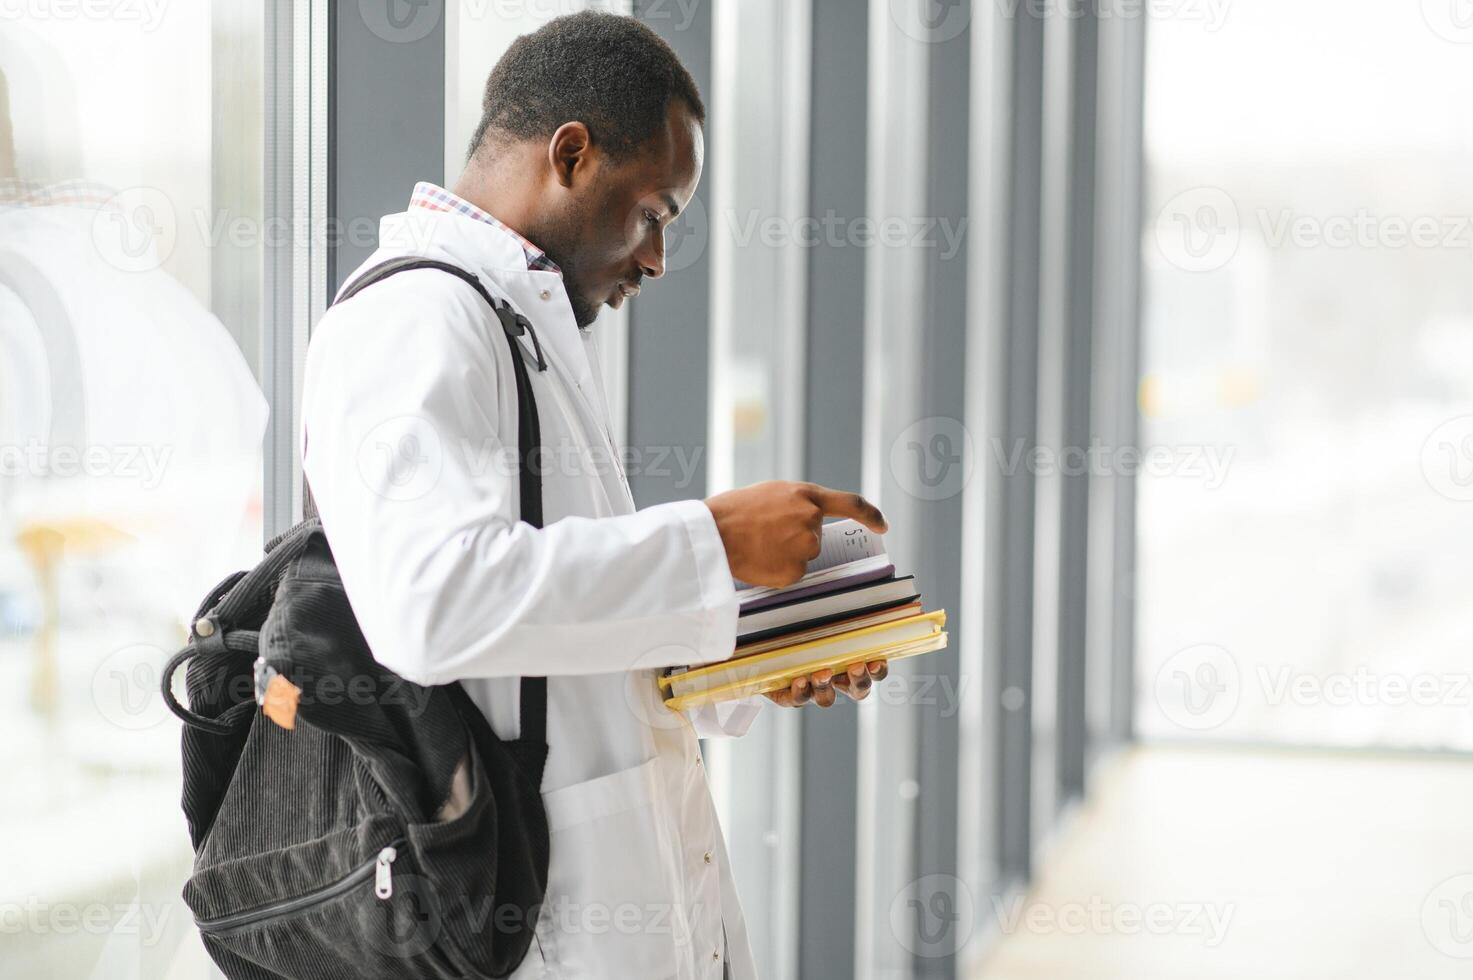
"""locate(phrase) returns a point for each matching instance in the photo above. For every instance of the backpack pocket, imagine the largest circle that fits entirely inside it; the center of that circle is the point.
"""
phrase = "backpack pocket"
(350, 904)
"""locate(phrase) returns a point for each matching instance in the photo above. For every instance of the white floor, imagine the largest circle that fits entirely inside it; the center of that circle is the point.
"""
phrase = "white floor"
(1227, 864)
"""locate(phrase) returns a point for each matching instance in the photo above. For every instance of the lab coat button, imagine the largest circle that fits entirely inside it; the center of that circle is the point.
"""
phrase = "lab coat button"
(546, 294)
(706, 857)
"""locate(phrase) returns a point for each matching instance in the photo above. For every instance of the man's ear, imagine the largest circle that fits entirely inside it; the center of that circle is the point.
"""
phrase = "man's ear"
(570, 152)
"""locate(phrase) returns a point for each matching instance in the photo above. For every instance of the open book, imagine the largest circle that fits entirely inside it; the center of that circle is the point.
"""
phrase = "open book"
(849, 553)
(849, 607)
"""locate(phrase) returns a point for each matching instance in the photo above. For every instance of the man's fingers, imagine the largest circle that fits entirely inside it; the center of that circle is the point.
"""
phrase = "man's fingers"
(842, 503)
(855, 682)
(795, 695)
(800, 692)
(823, 688)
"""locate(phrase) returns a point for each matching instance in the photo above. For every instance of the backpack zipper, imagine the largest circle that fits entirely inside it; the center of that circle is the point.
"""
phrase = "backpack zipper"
(380, 869)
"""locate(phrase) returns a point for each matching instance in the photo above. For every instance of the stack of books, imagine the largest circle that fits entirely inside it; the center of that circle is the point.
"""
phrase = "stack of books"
(848, 608)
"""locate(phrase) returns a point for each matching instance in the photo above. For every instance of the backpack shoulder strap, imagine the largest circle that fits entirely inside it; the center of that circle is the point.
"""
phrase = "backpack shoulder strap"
(529, 435)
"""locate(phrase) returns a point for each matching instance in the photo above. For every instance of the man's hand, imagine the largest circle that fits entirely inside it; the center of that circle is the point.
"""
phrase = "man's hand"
(772, 530)
(821, 685)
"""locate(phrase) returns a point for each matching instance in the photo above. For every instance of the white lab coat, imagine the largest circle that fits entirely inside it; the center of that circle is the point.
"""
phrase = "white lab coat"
(409, 407)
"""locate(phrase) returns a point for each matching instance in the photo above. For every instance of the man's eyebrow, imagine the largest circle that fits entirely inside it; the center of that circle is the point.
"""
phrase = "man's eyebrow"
(670, 203)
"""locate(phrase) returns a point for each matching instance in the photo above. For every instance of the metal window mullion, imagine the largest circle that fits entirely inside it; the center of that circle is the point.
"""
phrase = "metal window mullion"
(1072, 629)
(311, 205)
(796, 28)
(1110, 652)
(1128, 366)
(836, 141)
(296, 56)
(895, 286)
(990, 166)
(1009, 576)
(1052, 387)
(943, 337)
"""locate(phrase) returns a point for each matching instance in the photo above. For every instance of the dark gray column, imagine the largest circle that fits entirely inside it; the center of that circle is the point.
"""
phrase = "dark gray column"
(386, 120)
(1077, 426)
(943, 332)
(669, 325)
(1010, 509)
(833, 451)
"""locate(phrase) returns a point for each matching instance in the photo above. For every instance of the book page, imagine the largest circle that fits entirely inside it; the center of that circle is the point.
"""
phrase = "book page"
(845, 541)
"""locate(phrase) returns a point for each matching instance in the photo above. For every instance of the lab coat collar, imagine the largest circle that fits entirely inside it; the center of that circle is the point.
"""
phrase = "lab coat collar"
(496, 256)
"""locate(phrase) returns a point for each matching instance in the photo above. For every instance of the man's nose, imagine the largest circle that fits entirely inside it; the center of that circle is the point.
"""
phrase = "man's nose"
(651, 257)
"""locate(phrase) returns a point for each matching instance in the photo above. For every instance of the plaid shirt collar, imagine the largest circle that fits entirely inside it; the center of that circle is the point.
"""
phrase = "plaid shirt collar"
(433, 197)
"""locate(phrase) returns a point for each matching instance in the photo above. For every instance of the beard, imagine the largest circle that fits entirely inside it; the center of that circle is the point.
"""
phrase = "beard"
(565, 246)
(584, 311)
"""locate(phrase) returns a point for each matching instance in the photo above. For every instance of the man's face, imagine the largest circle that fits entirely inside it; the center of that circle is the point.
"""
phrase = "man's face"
(611, 234)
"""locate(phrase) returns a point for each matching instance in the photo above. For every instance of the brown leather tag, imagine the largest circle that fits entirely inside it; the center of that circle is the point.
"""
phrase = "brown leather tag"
(280, 703)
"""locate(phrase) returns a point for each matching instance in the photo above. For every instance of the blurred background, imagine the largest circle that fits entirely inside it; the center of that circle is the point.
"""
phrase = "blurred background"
(1149, 323)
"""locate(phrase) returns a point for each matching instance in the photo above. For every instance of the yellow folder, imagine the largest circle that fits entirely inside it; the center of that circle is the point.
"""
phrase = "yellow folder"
(772, 671)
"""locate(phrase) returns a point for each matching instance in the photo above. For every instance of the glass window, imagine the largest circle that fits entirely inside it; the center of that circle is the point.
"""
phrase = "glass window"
(130, 426)
(758, 267)
(1307, 409)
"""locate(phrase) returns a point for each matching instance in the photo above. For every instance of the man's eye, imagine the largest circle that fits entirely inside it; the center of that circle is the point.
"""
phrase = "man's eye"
(652, 217)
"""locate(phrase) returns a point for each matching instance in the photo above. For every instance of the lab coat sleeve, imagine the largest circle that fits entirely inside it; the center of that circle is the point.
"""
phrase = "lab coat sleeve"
(418, 497)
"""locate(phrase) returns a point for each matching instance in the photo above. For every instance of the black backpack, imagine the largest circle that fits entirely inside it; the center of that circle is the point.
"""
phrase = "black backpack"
(387, 832)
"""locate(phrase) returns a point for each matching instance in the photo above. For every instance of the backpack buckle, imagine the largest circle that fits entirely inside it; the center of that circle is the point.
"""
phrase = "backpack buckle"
(515, 325)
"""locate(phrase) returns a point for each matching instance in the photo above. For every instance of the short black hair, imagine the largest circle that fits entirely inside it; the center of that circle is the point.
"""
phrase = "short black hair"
(609, 72)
